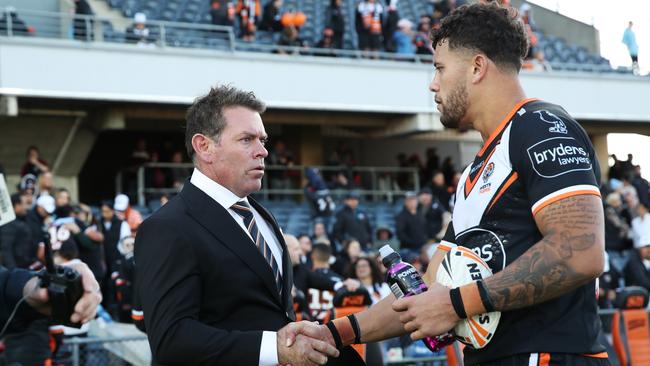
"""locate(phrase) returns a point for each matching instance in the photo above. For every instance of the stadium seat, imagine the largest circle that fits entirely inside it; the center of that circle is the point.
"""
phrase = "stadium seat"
(630, 330)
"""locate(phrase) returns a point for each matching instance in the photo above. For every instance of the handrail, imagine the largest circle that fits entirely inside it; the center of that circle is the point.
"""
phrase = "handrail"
(208, 36)
(373, 190)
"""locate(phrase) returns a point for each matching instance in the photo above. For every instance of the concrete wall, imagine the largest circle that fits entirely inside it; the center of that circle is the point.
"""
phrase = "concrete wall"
(573, 31)
(176, 76)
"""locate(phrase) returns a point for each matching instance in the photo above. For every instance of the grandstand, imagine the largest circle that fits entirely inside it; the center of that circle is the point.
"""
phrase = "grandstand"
(86, 101)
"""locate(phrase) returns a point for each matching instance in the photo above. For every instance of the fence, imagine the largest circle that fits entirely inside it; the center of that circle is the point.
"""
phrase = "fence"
(134, 350)
(105, 351)
(287, 181)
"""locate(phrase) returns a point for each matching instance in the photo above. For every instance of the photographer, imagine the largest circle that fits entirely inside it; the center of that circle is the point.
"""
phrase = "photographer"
(18, 284)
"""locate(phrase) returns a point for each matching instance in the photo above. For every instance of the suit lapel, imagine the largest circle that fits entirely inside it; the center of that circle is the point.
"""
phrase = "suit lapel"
(215, 219)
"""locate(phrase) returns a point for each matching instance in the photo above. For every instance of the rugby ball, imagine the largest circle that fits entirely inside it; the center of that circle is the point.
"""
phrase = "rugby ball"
(461, 266)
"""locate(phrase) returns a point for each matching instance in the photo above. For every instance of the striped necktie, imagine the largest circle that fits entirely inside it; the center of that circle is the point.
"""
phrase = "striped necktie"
(244, 210)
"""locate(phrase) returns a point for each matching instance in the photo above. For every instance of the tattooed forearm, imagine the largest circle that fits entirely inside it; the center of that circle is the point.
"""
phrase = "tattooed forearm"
(569, 255)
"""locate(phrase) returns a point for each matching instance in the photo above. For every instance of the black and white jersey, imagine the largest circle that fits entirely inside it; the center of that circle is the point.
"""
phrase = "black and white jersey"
(536, 156)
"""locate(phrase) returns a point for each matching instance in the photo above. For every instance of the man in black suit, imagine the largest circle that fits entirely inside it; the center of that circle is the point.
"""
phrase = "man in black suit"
(212, 269)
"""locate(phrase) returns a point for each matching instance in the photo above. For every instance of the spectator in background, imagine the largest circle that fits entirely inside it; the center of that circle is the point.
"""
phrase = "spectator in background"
(448, 170)
(320, 233)
(125, 212)
(16, 243)
(526, 15)
(34, 165)
(114, 230)
(305, 243)
(291, 38)
(641, 185)
(539, 63)
(280, 157)
(271, 16)
(155, 176)
(637, 269)
(366, 271)
(178, 174)
(62, 197)
(629, 39)
(368, 23)
(385, 236)
(440, 190)
(411, 227)
(641, 225)
(46, 184)
(351, 252)
(83, 25)
(248, 11)
(616, 170)
(318, 195)
(432, 210)
(403, 38)
(37, 219)
(222, 12)
(617, 230)
(138, 33)
(327, 42)
(390, 26)
(18, 27)
(335, 21)
(351, 222)
(423, 47)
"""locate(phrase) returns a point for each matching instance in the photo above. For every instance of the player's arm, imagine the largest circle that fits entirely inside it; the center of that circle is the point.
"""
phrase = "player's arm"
(569, 255)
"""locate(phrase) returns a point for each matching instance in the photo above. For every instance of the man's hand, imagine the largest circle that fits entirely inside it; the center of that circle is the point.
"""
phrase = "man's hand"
(351, 284)
(427, 314)
(304, 343)
(86, 307)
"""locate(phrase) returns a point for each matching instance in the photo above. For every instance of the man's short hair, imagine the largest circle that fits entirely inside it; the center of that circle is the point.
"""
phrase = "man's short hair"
(321, 252)
(16, 199)
(488, 28)
(205, 115)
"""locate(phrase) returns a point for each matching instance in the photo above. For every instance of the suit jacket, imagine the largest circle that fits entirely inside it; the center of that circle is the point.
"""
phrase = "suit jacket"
(206, 291)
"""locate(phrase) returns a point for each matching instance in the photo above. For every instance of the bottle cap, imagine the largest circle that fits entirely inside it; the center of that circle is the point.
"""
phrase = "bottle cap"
(385, 251)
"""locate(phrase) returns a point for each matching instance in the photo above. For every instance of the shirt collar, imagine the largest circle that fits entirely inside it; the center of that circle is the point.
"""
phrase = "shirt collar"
(216, 191)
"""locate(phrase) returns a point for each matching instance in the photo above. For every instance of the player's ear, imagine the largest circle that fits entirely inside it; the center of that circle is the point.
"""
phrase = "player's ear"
(480, 65)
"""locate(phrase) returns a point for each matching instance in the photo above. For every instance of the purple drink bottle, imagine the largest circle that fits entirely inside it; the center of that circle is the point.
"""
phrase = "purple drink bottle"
(404, 280)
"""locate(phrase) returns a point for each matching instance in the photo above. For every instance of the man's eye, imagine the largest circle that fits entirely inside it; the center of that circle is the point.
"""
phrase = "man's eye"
(246, 139)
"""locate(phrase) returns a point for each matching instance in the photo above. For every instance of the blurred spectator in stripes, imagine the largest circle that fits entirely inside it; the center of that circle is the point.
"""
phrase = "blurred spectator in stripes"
(248, 12)
(368, 22)
(83, 24)
(18, 26)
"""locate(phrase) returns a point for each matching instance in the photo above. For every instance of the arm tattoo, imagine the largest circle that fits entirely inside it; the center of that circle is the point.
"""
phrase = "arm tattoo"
(547, 269)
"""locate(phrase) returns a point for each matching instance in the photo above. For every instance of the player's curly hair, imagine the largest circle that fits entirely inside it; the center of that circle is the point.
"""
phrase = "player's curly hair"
(488, 28)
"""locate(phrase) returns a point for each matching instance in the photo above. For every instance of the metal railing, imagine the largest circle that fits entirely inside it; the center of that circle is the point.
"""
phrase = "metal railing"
(106, 351)
(162, 34)
(292, 177)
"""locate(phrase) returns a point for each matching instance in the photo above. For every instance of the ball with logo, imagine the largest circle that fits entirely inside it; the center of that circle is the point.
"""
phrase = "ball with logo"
(459, 267)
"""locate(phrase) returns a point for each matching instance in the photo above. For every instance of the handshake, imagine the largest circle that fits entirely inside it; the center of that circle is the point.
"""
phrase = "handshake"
(305, 343)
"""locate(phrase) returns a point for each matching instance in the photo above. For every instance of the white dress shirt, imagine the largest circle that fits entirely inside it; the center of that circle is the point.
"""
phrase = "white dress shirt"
(224, 197)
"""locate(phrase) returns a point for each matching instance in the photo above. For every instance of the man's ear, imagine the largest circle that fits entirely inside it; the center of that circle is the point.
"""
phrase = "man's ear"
(202, 146)
(480, 65)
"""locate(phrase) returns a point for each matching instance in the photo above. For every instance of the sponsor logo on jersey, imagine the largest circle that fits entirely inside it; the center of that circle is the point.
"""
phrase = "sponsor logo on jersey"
(487, 173)
(548, 117)
(485, 188)
(556, 156)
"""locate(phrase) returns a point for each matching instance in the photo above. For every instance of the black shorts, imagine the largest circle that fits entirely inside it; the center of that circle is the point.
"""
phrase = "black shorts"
(551, 359)
(370, 41)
